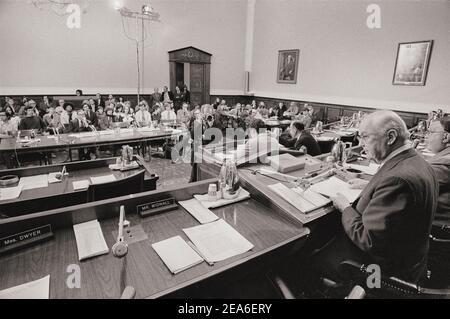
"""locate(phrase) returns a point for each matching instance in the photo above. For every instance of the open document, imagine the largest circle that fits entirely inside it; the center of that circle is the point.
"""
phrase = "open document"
(176, 254)
(31, 182)
(10, 192)
(37, 289)
(333, 185)
(305, 201)
(90, 240)
(198, 211)
(218, 241)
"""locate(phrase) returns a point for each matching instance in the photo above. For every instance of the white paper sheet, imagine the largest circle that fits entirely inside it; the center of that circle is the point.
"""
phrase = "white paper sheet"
(31, 182)
(333, 185)
(83, 184)
(218, 241)
(176, 254)
(103, 179)
(52, 178)
(206, 202)
(10, 192)
(90, 240)
(198, 211)
(37, 289)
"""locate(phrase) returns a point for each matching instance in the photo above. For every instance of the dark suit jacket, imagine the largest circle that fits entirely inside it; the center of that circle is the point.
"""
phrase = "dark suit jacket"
(92, 118)
(75, 126)
(441, 166)
(306, 139)
(391, 220)
(162, 96)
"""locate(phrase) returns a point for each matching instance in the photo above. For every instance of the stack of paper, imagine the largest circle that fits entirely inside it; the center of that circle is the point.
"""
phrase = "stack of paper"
(305, 201)
(206, 201)
(90, 240)
(31, 182)
(196, 209)
(218, 241)
(78, 185)
(177, 254)
(10, 192)
(333, 185)
(38, 289)
(102, 179)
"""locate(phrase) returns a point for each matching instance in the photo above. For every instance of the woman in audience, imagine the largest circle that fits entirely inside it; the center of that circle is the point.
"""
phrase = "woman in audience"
(207, 109)
(10, 122)
(55, 121)
(143, 117)
(47, 118)
(156, 114)
(105, 122)
(292, 110)
(118, 113)
(128, 115)
(278, 110)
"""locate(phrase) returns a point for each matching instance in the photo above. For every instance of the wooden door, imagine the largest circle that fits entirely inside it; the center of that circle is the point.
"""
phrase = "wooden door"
(179, 75)
(197, 84)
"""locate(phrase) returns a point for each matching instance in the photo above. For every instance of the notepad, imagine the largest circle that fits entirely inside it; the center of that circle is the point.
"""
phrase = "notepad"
(37, 289)
(305, 201)
(198, 211)
(90, 240)
(176, 254)
(10, 192)
(31, 182)
(218, 241)
(78, 185)
(333, 185)
(102, 179)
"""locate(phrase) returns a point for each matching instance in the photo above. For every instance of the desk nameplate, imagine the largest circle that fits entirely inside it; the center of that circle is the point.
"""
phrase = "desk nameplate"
(25, 238)
(156, 207)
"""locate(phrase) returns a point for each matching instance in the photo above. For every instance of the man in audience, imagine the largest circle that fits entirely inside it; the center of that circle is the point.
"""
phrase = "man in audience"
(99, 100)
(31, 121)
(292, 110)
(389, 224)
(44, 105)
(155, 97)
(183, 115)
(106, 118)
(143, 117)
(166, 96)
(91, 117)
(439, 143)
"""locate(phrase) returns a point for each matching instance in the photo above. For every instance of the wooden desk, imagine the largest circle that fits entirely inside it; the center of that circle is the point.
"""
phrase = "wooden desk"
(62, 194)
(105, 276)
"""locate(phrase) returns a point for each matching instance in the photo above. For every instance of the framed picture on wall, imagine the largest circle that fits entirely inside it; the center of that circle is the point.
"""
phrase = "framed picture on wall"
(287, 66)
(412, 61)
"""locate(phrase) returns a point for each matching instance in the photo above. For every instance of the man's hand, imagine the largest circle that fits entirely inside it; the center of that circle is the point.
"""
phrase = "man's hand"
(357, 183)
(340, 202)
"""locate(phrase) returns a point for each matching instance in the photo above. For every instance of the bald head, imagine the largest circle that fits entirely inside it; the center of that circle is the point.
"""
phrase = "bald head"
(383, 121)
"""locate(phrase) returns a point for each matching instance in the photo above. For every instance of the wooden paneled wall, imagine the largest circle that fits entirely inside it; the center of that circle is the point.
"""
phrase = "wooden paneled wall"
(324, 112)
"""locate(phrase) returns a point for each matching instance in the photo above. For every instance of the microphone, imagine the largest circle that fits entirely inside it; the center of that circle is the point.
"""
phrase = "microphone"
(120, 248)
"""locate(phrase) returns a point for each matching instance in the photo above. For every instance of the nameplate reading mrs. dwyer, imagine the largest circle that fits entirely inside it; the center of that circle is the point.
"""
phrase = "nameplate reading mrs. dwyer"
(25, 238)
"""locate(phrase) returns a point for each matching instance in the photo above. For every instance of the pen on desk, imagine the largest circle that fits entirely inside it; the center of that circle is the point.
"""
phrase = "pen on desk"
(200, 254)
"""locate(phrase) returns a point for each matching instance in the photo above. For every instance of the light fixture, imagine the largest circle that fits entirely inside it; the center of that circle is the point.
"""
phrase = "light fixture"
(147, 14)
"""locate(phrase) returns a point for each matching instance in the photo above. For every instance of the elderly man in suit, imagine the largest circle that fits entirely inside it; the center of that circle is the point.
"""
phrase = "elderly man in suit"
(391, 220)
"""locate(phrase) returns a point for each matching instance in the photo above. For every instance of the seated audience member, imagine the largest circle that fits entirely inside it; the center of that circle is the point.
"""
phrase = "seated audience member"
(186, 94)
(389, 224)
(105, 120)
(195, 107)
(31, 121)
(44, 105)
(158, 109)
(80, 123)
(155, 97)
(99, 100)
(292, 110)
(92, 105)
(216, 103)
(207, 109)
(304, 140)
(128, 113)
(439, 143)
(183, 115)
(65, 117)
(168, 115)
(143, 117)
(48, 116)
(118, 113)
(78, 92)
(278, 110)
(304, 117)
(91, 116)
(32, 103)
(111, 99)
(55, 120)
(8, 123)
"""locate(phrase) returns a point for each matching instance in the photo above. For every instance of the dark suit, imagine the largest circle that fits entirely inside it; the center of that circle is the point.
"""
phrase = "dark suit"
(306, 139)
(391, 220)
(91, 118)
